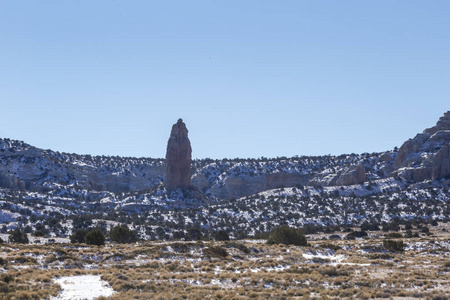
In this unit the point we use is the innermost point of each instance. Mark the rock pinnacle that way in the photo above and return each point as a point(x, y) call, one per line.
point(178, 157)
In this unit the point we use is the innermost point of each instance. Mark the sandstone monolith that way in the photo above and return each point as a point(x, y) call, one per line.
point(178, 158)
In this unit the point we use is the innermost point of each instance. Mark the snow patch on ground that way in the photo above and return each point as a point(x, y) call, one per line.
point(83, 287)
point(325, 256)
point(334, 259)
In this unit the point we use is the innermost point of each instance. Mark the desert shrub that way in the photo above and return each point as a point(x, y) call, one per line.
point(95, 237)
point(7, 278)
point(394, 246)
point(330, 246)
point(381, 256)
point(439, 297)
point(288, 236)
point(239, 246)
point(17, 236)
point(221, 235)
point(78, 236)
point(394, 235)
point(122, 234)
point(261, 235)
point(425, 229)
point(333, 272)
point(354, 234)
point(194, 234)
point(3, 288)
point(181, 247)
point(365, 226)
point(216, 251)
point(334, 237)
point(3, 261)
point(23, 295)
point(408, 234)
point(39, 233)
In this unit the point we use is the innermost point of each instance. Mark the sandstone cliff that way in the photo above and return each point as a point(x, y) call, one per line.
point(427, 155)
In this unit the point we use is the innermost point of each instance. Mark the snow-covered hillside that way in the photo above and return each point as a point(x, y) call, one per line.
point(55, 193)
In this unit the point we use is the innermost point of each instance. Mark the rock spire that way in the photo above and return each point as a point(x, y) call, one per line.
point(178, 157)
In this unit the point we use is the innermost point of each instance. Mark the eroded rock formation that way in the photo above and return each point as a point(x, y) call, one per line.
point(178, 158)
point(427, 155)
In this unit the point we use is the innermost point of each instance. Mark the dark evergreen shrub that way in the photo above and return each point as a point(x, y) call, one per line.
point(334, 237)
point(221, 235)
point(122, 234)
point(17, 236)
point(288, 236)
point(355, 234)
point(261, 235)
point(39, 233)
point(425, 229)
point(194, 234)
point(78, 236)
point(394, 246)
point(95, 237)
point(394, 235)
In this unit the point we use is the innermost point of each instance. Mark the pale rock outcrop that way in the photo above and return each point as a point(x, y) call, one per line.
point(277, 180)
point(355, 174)
point(236, 187)
point(352, 175)
point(178, 158)
point(386, 157)
point(200, 181)
point(427, 155)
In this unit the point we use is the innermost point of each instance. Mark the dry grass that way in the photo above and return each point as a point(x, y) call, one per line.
point(234, 270)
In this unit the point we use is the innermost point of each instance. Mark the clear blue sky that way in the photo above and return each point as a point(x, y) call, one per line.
point(249, 78)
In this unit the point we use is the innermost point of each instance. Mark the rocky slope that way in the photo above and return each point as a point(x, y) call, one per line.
point(28, 168)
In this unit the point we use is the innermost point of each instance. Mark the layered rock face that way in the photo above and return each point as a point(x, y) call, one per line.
point(427, 155)
point(178, 158)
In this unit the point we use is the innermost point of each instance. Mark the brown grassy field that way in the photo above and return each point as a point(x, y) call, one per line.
point(325, 269)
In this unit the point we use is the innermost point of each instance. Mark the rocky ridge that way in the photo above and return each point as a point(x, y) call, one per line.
point(24, 167)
